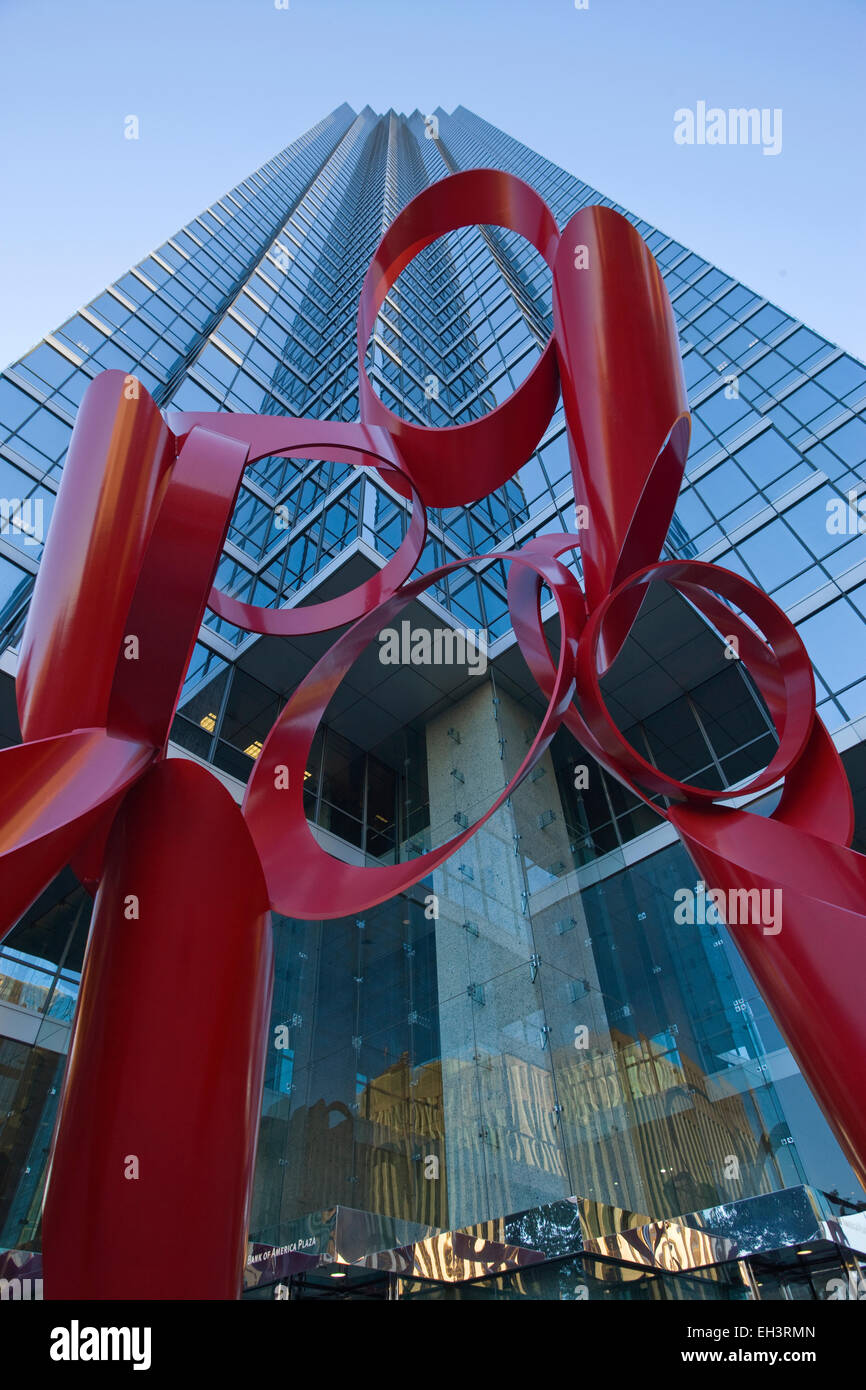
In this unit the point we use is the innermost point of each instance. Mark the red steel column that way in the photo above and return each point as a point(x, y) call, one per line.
point(152, 1160)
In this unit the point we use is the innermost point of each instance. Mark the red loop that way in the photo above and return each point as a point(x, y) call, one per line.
point(303, 879)
point(623, 395)
point(362, 446)
point(793, 707)
point(459, 464)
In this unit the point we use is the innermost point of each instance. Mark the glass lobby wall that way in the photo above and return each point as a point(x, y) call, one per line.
point(596, 1041)
point(40, 971)
point(526, 1028)
point(352, 1111)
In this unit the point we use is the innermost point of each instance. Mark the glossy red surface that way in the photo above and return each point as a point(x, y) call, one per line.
point(117, 466)
point(303, 879)
point(54, 793)
point(173, 582)
point(166, 1062)
point(811, 973)
point(624, 398)
point(497, 444)
point(133, 549)
point(358, 445)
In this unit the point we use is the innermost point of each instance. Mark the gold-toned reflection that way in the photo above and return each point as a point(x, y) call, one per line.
point(641, 1127)
point(385, 1154)
point(648, 1126)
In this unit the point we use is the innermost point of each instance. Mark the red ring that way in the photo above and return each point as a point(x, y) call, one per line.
point(303, 879)
point(341, 440)
point(458, 464)
point(794, 711)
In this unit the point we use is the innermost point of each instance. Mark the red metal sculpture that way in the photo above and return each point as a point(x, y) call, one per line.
point(155, 1139)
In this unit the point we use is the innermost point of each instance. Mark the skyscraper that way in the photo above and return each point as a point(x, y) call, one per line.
point(548, 1029)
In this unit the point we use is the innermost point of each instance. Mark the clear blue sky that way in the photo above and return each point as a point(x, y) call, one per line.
point(221, 85)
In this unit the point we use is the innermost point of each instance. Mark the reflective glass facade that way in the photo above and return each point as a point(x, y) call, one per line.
point(530, 1023)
